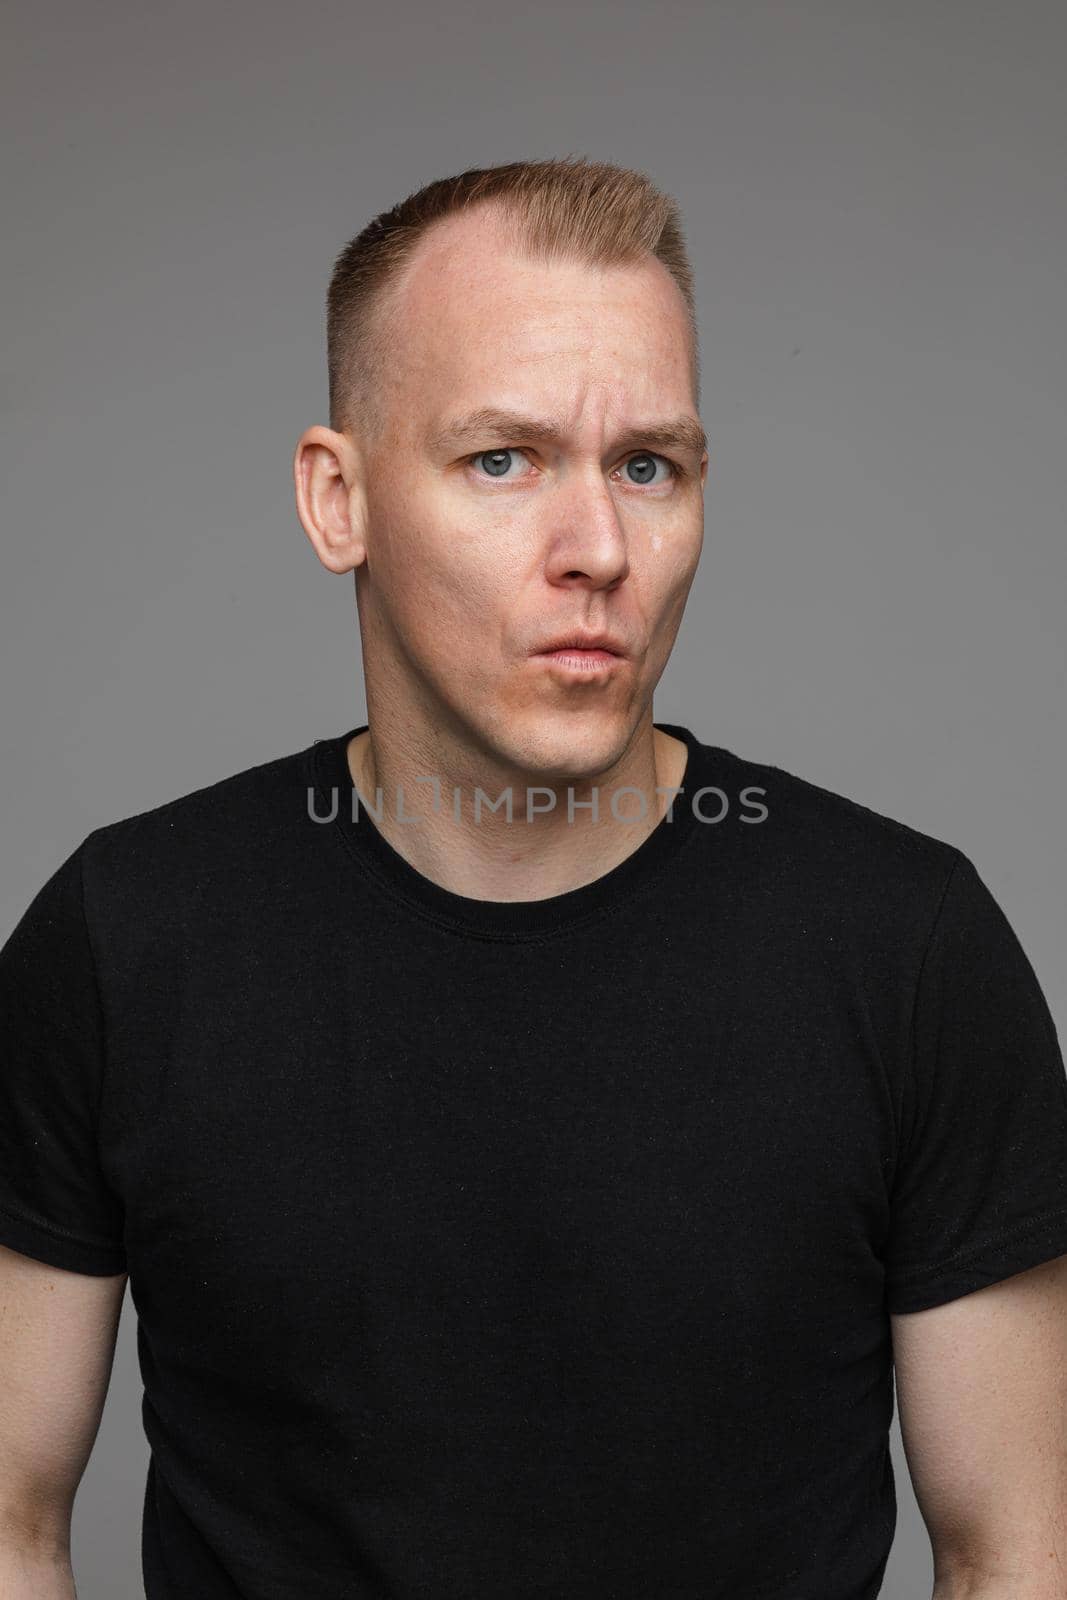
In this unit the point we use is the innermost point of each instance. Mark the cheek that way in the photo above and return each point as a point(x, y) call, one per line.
point(429, 566)
point(479, 561)
point(662, 583)
point(669, 557)
point(449, 587)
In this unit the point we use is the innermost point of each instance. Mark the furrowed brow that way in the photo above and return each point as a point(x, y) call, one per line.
point(683, 434)
point(468, 429)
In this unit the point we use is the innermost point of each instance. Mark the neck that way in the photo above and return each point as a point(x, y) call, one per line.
point(441, 830)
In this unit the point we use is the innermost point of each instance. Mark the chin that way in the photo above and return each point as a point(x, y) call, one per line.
point(567, 745)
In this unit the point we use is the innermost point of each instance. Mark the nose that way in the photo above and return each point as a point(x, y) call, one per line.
point(587, 542)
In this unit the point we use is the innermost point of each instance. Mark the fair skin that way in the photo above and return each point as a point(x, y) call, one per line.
point(460, 574)
point(57, 1345)
point(459, 578)
point(456, 577)
point(982, 1393)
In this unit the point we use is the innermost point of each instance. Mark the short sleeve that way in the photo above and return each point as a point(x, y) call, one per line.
point(55, 1203)
point(980, 1188)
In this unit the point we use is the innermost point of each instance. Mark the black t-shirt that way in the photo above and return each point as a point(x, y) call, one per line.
point(526, 1249)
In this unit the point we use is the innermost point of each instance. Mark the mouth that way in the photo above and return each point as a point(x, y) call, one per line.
point(582, 655)
point(583, 644)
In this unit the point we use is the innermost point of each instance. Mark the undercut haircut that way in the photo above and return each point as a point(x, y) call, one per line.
point(566, 208)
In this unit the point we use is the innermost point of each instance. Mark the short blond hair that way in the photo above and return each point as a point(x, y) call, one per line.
point(565, 208)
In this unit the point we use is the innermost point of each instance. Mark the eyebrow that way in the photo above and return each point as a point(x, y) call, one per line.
point(683, 434)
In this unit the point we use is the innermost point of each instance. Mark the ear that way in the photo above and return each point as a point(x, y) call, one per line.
point(330, 502)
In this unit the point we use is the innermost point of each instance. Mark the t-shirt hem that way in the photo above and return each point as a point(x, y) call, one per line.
point(57, 1248)
point(1038, 1239)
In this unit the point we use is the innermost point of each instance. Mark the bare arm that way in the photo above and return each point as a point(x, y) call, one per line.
point(57, 1346)
point(982, 1391)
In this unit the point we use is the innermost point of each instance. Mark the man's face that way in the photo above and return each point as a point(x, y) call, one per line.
point(485, 545)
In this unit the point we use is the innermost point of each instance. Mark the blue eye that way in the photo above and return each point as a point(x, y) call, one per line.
point(497, 461)
point(638, 467)
point(641, 461)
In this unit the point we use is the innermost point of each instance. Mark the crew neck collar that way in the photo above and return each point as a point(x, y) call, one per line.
point(501, 919)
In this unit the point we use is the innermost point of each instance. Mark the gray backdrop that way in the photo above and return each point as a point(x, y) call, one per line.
point(874, 199)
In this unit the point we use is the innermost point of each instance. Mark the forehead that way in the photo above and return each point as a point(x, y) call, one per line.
point(474, 320)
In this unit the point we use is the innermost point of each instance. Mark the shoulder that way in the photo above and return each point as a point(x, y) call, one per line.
point(213, 837)
point(830, 848)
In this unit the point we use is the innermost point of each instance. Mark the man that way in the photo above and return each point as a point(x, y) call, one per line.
point(531, 1132)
